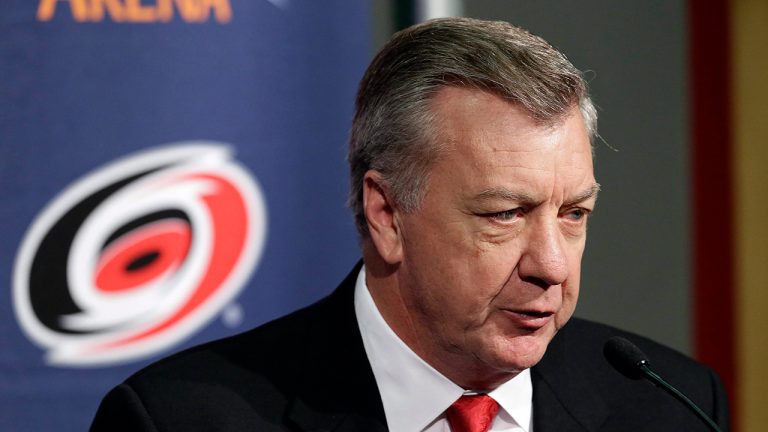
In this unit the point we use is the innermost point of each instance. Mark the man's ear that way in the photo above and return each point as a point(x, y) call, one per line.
point(382, 217)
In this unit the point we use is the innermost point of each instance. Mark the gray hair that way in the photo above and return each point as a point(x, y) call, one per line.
point(393, 129)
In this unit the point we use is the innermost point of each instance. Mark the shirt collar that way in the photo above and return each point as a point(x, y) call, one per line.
point(516, 399)
point(413, 393)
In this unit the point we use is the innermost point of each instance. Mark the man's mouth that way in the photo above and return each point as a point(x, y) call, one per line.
point(529, 319)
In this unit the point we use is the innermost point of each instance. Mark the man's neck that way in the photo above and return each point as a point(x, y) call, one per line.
point(384, 285)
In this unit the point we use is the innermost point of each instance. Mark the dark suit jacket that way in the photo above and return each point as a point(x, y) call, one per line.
point(308, 372)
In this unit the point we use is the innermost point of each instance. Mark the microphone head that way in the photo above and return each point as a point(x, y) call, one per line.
point(625, 357)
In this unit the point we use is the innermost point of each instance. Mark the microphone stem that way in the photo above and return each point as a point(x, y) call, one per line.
point(656, 379)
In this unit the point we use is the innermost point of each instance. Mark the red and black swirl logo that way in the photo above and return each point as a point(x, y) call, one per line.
point(139, 254)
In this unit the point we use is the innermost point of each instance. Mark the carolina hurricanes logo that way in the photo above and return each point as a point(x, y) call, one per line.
point(139, 255)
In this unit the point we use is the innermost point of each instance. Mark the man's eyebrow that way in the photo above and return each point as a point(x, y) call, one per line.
point(506, 195)
point(525, 199)
point(583, 196)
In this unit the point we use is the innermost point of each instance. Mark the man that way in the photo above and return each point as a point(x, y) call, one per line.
point(471, 185)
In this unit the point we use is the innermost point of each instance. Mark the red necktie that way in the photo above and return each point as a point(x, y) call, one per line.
point(472, 413)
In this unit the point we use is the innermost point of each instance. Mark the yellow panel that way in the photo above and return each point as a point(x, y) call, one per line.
point(750, 117)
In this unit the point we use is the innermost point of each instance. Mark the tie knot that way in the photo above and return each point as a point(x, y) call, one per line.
point(473, 413)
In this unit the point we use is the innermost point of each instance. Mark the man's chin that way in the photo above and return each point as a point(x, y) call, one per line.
point(524, 352)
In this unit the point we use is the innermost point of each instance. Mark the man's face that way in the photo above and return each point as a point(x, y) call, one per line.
point(491, 260)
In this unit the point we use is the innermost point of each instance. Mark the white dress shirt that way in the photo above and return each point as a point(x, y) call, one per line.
point(414, 394)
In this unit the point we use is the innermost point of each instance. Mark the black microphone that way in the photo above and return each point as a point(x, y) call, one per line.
point(632, 363)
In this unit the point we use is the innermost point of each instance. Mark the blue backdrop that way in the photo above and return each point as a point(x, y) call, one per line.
point(85, 83)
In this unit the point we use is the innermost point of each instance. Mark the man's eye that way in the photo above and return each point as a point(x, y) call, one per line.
point(576, 214)
point(507, 215)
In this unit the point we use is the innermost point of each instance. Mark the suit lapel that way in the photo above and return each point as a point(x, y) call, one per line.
point(338, 389)
point(563, 398)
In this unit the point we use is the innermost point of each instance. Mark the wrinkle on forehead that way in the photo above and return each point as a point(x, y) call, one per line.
point(492, 143)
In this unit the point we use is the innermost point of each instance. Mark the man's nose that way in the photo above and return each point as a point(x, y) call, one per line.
point(543, 261)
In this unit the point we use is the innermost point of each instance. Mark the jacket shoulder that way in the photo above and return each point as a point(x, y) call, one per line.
point(278, 374)
point(577, 350)
point(246, 379)
point(588, 338)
